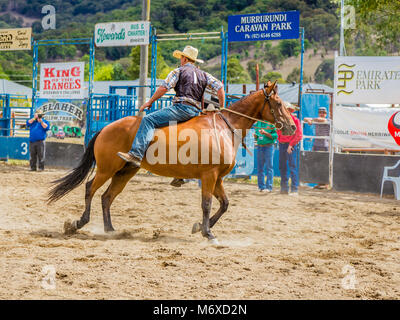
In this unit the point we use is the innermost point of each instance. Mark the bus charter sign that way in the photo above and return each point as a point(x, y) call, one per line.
point(62, 80)
point(264, 26)
point(116, 34)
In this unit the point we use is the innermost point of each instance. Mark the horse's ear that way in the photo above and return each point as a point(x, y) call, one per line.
point(275, 87)
point(269, 86)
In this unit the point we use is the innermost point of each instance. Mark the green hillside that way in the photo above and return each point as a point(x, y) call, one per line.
point(77, 19)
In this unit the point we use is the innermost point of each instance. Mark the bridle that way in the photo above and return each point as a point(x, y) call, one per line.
point(278, 124)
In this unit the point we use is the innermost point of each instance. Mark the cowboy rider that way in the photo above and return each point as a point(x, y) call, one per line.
point(189, 83)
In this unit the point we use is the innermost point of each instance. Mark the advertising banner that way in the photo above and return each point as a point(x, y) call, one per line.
point(369, 80)
point(15, 39)
point(366, 127)
point(67, 118)
point(116, 34)
point(62, 80)
point(264, 26)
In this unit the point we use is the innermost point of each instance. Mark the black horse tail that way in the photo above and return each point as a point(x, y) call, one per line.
point(76, 176)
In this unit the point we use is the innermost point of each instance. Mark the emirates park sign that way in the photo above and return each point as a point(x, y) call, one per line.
point(62, 80)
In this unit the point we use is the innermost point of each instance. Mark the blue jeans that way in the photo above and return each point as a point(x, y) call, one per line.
point(265, 164)
point(284, 159)
point(157, 119)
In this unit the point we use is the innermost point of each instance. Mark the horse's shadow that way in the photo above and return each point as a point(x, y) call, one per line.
point(116, 235)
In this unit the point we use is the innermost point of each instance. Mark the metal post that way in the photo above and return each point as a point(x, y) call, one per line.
point(301, 67)
point(342, 28)
point(91, 67)
point(226, 65)
point(153, 61)
point(34, 75)
point(300, 93)
point(331, 132)
point(222, 54)
point(144, 52)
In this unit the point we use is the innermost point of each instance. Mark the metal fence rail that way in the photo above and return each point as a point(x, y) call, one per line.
point(14, 111)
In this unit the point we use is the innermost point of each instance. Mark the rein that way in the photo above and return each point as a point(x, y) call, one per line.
point(267, 96)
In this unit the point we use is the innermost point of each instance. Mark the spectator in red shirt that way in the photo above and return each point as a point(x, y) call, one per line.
point(288, 153)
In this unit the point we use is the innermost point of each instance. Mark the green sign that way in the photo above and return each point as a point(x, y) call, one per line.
point(116, 34)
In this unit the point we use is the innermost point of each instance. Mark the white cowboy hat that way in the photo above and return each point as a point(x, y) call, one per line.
point(291, 106)
point(189, 52)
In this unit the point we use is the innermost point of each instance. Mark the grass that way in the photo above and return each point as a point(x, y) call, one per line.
point(15, 162)
point(253, 180)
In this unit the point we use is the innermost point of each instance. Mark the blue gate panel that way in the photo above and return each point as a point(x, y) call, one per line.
point(14, 148)
point(309, 109)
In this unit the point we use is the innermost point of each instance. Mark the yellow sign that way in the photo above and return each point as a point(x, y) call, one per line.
point(15, 39)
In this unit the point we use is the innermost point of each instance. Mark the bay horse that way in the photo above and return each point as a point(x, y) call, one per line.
point(264, 104)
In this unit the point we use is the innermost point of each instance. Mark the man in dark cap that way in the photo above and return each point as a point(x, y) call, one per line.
point(38, 127)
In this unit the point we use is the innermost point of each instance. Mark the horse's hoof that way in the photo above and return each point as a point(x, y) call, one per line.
point(213, 241)
point(70, 227)
point(196, 227)
point(109, 230)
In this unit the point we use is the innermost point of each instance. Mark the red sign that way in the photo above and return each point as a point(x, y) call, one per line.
point(394, 127)
point(62, 80)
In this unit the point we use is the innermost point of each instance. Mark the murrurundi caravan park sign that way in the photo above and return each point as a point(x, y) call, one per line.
point(115, 34)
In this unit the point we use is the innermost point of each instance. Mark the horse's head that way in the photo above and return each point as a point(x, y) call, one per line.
point(274, 110)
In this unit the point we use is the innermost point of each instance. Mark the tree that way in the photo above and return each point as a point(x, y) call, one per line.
point(236, 73)
point(290, 48)
point(324, 71)
point(275, 57)
point(294, 76)
point(119, 72)
point(134, 69)
point(383, 15)
point(3, 75)
point(272, 76)
point(104, 73)
point(251, 69)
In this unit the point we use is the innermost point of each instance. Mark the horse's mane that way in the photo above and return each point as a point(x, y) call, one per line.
point(240, 101)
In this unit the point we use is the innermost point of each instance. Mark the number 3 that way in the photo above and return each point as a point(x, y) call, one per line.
point(24, 146)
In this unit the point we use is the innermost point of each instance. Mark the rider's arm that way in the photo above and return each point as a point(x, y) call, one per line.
point(221, 97)
point(158, 94)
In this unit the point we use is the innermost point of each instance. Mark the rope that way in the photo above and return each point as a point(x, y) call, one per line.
point(246, 116)
point(216, 133)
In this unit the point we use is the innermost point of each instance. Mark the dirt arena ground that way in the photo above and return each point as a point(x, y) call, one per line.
point(319, 245)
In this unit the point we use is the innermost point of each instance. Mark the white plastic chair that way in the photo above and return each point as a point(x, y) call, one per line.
point(394, 180)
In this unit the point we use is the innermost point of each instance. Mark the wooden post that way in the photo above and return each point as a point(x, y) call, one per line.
point(257, 78)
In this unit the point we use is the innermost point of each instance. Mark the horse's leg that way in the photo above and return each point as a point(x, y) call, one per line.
point(91, 188)
point(219, 193)
point(118, 183)
point(207, 189)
